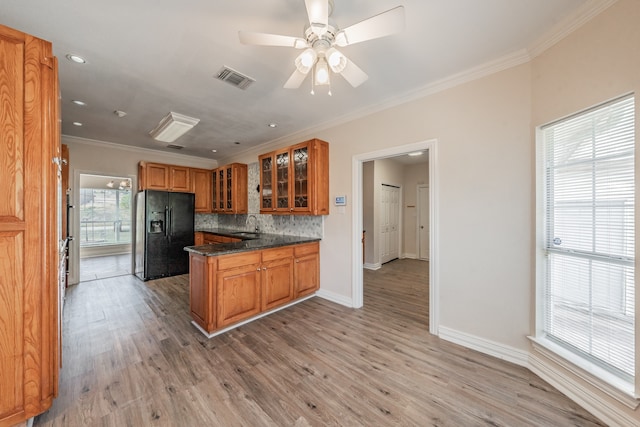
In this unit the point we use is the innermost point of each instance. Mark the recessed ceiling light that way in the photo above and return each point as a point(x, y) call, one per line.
point(77, 124)
point(76, 58)
point(214, 151)
point(415, 153)
point(237, 142)
point(272, 125)
point(81, 103)
point(119, 113)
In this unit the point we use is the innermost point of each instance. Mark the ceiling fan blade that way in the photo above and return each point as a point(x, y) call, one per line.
point(318, 12)
point(384, 24)
point(264, 39)
point(353, 74)
point(295, 80)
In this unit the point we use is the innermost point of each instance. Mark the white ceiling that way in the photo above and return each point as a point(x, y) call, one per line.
point(150, 57)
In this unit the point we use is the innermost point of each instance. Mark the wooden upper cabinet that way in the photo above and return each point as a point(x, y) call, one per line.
point(229, 189)
point(153, 176)
point(179, 179)
point(158, 176)
point(201, 186)
point(295, 180)
point(29, 310)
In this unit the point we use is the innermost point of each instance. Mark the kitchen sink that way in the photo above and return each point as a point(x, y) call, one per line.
point(247, 234)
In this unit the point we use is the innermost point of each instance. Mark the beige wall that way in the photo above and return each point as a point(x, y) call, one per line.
point(484, 208)
point(368, 211)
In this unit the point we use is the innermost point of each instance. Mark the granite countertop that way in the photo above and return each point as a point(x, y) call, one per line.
point(250, 242)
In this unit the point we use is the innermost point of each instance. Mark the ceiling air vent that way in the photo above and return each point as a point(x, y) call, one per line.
point(234, 78)
point(175, 147)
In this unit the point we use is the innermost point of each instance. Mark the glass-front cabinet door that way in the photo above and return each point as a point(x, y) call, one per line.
point(221, 188)
point(214, 190)
point(266, 181)
point(229, 185)
point(300, 159)
point(282, 181)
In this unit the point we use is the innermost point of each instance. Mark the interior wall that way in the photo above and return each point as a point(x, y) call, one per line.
point(86, 156)
point(598, 62)
point(414, 175)
point(484, 208)
point(368, 211)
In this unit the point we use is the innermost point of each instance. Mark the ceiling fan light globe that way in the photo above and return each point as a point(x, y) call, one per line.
point(305, 60)
point(337, 60)
point(322, 73)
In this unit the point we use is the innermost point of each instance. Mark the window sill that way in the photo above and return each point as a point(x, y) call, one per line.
point(616, 388)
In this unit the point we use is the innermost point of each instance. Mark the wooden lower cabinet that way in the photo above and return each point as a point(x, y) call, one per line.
point(307, 269)
point(228, 289)
point(277, 277)
point(200, 297)
point(198, 238)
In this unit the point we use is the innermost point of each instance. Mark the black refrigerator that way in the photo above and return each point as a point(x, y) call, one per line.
point(164, 226)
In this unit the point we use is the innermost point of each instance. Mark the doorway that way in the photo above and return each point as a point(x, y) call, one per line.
point(105, 226)
point(429, 148)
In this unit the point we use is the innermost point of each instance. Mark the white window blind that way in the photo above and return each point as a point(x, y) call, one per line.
point(589, 235)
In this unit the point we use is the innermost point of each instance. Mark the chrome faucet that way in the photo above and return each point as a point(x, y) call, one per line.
point(257, 227)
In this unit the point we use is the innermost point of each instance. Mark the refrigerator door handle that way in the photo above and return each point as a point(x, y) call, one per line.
point(167, 222)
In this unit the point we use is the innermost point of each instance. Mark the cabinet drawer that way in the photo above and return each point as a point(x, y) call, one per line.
point(306, 249)
point(238, 260)
point(277, 253)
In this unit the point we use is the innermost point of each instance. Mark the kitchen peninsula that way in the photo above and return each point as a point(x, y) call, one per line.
point(248, 277)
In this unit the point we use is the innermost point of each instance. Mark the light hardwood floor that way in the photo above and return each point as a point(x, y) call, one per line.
point(131, 358)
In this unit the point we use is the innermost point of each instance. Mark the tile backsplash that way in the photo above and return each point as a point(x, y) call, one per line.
point(293, 225)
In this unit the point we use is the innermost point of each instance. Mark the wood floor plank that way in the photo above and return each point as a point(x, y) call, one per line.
point(132, 358)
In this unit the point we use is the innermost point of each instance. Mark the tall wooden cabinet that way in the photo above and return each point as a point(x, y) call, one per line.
point(295, 180)
point(201, 187)
point(29, 141)
point(229, 189)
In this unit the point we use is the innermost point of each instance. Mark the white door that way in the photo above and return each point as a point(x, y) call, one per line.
point(389, 223)
point(423, 222)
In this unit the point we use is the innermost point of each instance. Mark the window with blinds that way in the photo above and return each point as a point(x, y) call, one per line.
point(590, 234)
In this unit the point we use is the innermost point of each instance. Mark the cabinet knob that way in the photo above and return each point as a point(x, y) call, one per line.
point(297, 260)
point(264, 268)
point(258, 269)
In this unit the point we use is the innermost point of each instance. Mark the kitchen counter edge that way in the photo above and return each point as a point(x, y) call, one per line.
point(265, 241)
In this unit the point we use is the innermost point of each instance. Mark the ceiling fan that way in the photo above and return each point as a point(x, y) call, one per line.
point(320, 40)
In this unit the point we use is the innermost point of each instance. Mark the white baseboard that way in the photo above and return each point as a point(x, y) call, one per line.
point(244, 322)
point(492, 348)
point(410, 256)
point(368, 266)
point(337, 298)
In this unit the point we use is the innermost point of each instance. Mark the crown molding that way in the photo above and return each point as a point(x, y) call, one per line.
point(130, 148)
point(566, 26)
point(483, 70)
